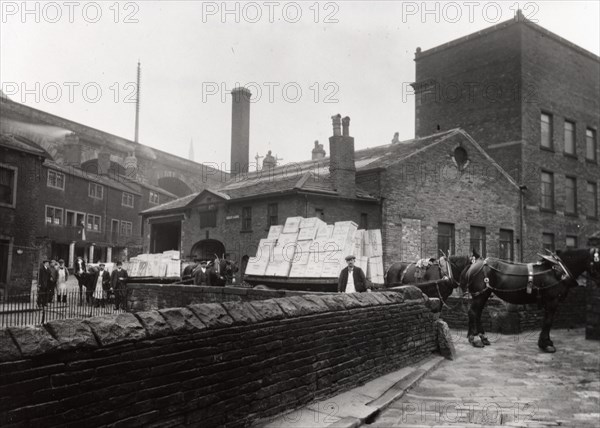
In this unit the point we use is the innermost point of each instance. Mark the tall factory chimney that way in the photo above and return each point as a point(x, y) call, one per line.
point(240, 130)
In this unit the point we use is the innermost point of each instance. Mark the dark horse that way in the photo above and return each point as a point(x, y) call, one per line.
point(546, 282)
point(438, 279)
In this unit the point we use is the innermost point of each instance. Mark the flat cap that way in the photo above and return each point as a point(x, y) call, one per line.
point(350, 257)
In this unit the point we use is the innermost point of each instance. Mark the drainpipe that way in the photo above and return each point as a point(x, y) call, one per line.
point(306, 206)
point(522, 190)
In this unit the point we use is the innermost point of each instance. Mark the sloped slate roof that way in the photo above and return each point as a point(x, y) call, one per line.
point(100, 179)
point(313, 176)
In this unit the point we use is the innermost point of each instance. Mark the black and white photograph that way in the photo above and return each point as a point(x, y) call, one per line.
point(299, 214)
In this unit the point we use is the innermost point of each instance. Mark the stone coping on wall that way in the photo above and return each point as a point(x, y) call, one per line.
point(73, 335)
point(232, 290)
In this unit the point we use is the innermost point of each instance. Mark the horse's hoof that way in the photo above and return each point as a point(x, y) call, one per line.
point(485, 340)
point(476, 342)
point(549, 349)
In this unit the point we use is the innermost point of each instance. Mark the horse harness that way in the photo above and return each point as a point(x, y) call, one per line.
point(557, 265)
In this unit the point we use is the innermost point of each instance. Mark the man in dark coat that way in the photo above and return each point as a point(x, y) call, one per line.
point(118, 282)
point(44, 275)
point(53, 280)
point(201, 274)
point(352, 278)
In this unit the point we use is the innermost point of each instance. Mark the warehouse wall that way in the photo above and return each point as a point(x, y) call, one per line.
point(209, 364)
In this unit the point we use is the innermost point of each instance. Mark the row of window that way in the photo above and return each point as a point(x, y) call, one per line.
point(60, 217)
point(570, 137)
point(548, 241)
point(56, 180)
point(121, 227)
point(447, 242)
point(590, 201)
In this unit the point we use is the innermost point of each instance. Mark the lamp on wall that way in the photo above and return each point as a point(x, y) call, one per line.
point(19, 251)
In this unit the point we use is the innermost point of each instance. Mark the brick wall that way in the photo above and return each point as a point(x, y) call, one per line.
point(522, 67)
point(18, 225)
point(210, 364)
point(545, 63)
point(502, 317)
point(239, 243)
point(145, 297)
point(592, 327)
point(428, 187)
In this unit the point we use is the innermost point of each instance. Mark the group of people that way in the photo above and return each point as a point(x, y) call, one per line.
point(100, 286)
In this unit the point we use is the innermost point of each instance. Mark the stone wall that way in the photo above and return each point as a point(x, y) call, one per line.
point(208, 364)
point(502, 317)
point(145, 297)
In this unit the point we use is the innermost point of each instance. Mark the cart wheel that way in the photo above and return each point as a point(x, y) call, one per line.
point(261, 287)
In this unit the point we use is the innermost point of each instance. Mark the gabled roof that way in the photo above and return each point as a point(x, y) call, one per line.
point(100, 179)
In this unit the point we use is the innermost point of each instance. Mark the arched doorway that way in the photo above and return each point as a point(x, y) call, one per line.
point(207, 248)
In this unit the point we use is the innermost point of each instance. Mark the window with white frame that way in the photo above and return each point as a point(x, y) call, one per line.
point(54, 215)
point(96, 191)
point(94, 222)
point(126, 228)
point(154, 198)
point(56, 180)
point(127, 200)
point(8, 185)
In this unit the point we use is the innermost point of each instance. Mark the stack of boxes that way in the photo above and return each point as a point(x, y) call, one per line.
point(166, 264)
point(310, 248)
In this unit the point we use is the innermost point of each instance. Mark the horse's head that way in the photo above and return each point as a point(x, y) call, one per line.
point(229, 268)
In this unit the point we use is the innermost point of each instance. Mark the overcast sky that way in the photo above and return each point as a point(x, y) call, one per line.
point(356, 60)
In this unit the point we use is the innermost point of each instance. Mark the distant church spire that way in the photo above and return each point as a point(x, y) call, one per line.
point(137, 103)
point(191, 152)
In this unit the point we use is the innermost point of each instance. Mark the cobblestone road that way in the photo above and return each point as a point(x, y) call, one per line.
point(510, 383)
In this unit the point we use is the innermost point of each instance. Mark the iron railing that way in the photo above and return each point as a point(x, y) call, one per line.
point(36, 309)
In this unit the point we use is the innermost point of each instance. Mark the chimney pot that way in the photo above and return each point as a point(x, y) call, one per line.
point(346, 126)
point(337, 125)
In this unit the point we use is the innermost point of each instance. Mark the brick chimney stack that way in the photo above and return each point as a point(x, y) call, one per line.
point(103, 163)
point(72, 149)
point(318, 152)
point(341, 158)
point(240, 130)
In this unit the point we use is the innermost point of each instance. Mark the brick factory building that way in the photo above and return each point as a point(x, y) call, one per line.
point(440, 192)
point(532, 100)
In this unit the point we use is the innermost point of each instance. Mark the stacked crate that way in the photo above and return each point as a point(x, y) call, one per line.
point(310, 248)
point(166, 264)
